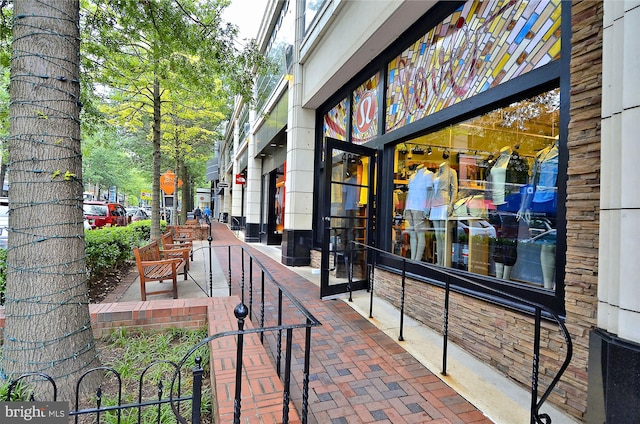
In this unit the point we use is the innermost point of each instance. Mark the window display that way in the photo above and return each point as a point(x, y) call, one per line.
point(481, 195)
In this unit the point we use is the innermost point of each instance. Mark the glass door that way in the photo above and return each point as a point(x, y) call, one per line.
point(349, 216)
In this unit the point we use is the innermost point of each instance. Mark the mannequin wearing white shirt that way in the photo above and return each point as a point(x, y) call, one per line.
point(416, 208)
point(498, 176)
point(445, 192)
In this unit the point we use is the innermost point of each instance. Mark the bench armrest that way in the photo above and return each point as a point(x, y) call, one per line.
point(177, 246)
point(174, 253)
point(145, 264)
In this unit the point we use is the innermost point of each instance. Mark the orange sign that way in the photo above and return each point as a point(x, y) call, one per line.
point(167, 181)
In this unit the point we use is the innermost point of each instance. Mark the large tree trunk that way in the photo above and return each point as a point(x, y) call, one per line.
point(186, 206)
point(48, 327)
point(157, 138)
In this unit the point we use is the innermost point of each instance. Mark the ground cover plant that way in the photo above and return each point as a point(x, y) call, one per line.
point(129, 354)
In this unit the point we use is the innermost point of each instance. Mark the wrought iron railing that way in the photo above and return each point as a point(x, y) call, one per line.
point(536, 417)
point(273, 328)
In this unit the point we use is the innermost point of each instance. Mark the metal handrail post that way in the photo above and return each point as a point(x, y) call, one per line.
point(305, 373)
point(535, 364)
point(196, 391)
point(279, 338)
point(241, 313)
point(229, 269)
point(242, 277)
point(286, 397)
point(210, 239)
point(445, 325)
point(349, 264)
point(250, 286)
point(370, 273)
point(262, 307)
point(402, 292)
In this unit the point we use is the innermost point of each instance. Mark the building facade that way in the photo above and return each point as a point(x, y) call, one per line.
point(488, 144)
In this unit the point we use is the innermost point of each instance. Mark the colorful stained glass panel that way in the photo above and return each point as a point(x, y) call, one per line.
point(335, 122)
point(479, 46)
point(365, 111)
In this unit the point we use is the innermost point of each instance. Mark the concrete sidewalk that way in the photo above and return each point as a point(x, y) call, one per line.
point(360, 371)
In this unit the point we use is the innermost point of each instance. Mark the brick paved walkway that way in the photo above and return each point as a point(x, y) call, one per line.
point(359, 374)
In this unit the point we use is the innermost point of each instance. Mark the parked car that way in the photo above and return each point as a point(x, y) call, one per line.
point(139, 215)
point(101, 214)
point(131, 210)
point(476, 227)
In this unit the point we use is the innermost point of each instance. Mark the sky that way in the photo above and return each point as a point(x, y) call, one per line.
point(247, 15)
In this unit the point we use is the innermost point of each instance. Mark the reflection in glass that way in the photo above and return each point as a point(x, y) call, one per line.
point(349, 198)
point(481, 195)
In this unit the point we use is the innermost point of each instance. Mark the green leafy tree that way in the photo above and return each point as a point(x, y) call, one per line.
point(107, 162)
point(47, 327)
point(189, 131)
point(141, 51)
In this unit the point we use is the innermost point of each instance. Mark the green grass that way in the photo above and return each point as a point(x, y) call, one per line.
point(129, 354)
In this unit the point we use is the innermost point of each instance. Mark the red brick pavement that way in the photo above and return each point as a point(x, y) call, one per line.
point(358, 374)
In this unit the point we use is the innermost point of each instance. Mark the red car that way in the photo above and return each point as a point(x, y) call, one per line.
point(101, 214)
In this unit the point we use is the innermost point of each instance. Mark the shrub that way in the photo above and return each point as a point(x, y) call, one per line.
point(106, 249)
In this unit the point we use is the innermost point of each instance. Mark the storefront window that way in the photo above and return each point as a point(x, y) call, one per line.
point(278, 203)
point(481, 195)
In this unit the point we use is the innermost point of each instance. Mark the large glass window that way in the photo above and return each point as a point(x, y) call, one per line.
point(481, 195)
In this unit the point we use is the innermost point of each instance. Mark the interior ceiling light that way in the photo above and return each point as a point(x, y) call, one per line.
point(429, 151)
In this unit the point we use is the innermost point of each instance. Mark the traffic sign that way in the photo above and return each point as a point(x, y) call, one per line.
point(167, 181)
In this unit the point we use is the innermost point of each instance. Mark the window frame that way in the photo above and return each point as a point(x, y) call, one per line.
point(550, 76)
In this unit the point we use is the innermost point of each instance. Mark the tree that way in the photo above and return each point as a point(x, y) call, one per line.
point(107, 162)
point(48, 327)
point(143, 50)
point(189, 131)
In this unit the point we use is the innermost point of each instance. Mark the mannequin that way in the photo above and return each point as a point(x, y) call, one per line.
point(420, 186)
point(506, 176)
point(445, 192)
point(498, 176)
point(548, 264)
point(540, 198)
point(505, 249)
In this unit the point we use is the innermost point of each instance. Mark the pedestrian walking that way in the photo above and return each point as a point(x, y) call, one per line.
point(197, 214)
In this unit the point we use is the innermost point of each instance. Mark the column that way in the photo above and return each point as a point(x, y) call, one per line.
point(297, 237)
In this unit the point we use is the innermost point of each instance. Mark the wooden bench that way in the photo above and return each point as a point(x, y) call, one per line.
point(168, 243)
point(183, 233)
point(152, 266)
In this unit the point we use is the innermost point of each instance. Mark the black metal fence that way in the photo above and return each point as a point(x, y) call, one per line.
point(537, 312)
point(277, 317)
point(105, 406)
